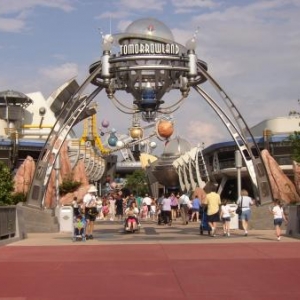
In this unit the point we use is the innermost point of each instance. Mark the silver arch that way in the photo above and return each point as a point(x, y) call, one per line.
point(147, 77)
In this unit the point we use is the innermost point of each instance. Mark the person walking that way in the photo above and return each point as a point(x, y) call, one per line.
point(184, 201)
point(147, 200)
point(153, 210)
point(166, 210)
point(279, 217)
point(196, 203)
point(225, 213)
point(245, 202)
point(90, 210)
point(119, 207)
point(174, 206)
point(112, 207)
point(213, 202)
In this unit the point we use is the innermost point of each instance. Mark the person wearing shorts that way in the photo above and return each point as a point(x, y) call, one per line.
point(90, 211)
point(213, 202)
point(245, 202)
point(279, 217)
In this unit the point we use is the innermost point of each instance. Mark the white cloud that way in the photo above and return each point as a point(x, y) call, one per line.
point(15, 6)
point(60, 73)
point(138, 5)
point(189, 6)
point(14, 14)
point(11, 25)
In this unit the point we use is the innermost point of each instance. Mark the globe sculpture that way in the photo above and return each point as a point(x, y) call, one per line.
point(164, 129)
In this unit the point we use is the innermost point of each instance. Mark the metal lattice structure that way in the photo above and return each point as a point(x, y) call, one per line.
point(147, 65)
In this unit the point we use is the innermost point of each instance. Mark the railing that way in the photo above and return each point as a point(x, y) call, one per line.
point(7, 222)
point(230, 163)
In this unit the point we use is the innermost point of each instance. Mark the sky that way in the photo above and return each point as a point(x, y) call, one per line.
point(252, 49)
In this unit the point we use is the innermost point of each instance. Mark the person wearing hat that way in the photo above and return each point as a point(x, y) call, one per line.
point(90, 210)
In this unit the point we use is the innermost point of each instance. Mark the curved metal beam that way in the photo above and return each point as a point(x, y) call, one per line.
point(255, 165)
point(65, 121)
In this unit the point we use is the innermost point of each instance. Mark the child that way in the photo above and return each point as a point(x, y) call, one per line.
point(144, 211)
point(279, 217)
point(79, 227)
point(225, 216)
point(153, 210)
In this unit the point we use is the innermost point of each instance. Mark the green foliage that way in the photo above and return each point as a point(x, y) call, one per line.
point(6, 185)
point(18, 197)
point(137, 181)
point(68, 185)
point(295, 143)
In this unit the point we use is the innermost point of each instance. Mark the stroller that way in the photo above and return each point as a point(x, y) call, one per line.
point(79, 228)
point(204, 223)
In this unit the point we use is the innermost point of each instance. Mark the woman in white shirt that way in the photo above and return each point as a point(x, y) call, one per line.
point(279, 217)
point(244, 201)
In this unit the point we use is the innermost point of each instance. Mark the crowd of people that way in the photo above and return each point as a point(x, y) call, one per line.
point(169, 207)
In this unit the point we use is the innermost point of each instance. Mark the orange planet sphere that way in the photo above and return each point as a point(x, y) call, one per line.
point(165, 128)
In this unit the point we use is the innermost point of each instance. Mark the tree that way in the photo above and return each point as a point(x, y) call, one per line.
point(6, 185)
point(295, 144)
point(137, 181)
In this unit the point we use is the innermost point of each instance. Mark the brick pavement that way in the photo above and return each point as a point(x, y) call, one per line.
point(160, 262)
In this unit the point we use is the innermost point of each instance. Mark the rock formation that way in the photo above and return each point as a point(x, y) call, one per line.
point(24, 176)
point(200, 193)
point(282, 187)
point(25, 173)
point(296, 169)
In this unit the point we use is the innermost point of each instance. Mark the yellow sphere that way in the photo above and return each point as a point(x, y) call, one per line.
point(136, 132)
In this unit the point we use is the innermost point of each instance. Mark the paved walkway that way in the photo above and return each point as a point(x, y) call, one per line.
point(160, 262)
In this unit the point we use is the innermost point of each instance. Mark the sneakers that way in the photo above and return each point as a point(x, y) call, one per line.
point(246, 233)
point(278, 238)
point(91, 237)
point(228, 234)
point(127, 228)
point(213, 231)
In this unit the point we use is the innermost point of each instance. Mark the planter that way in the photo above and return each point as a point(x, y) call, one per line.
point(293, 215)
point(7, 221)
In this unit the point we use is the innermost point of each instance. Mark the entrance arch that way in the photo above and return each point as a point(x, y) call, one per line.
point(148, 65)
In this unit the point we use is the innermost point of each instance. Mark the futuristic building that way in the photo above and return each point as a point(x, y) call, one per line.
point(218, 160)
point(27, 120)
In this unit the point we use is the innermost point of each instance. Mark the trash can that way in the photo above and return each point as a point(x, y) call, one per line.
point(66, 216)
point(234, 221)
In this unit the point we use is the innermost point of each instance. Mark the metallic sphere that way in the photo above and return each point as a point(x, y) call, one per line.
point(150, 28)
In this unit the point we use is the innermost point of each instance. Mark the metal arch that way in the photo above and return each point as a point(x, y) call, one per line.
point(193, 182)
point(255, 165)
point(178, 167)
point(65, 121)
point(74, 152)
point(193, 167)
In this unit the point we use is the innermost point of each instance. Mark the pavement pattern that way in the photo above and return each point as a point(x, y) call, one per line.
point(160, 262)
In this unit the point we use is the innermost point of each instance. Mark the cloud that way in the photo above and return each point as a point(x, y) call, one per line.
point(60, 73)
point(198, 132)
point(12, 25)
point(14, 14)
point(16, 6)
point(189, 6)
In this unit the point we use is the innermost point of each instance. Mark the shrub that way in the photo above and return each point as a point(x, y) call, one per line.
point(68, 185)
point(6, 185)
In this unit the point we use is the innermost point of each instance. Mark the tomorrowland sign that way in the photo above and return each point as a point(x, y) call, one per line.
point(149, 48)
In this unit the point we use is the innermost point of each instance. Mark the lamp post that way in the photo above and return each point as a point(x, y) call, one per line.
point(238, 165)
